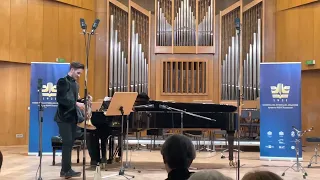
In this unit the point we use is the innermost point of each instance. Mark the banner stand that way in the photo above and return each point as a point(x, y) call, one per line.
point(280, 109)
point(50, 73)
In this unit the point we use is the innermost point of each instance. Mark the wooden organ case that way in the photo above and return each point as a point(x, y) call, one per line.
point(184, 48)
point(128, 47)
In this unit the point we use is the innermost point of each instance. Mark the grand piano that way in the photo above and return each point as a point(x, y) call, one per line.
point(167, 115)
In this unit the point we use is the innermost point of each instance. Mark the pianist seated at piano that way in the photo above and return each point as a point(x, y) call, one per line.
point(97, 154)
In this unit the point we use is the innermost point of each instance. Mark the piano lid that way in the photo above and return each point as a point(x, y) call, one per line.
point(189, 107)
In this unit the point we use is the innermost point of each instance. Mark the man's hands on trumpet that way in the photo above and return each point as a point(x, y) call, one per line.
point(80, 105)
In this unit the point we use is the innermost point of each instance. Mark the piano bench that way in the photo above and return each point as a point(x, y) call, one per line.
point(196, 135)
point(56, 143)
point(314, 158)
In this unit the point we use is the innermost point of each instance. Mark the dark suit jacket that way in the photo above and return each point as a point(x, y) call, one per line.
point(67, 96)
point(179, 174)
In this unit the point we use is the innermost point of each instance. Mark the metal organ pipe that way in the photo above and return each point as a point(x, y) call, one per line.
point(117, 54)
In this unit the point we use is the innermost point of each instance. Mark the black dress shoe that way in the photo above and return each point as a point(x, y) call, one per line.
point(71, 173)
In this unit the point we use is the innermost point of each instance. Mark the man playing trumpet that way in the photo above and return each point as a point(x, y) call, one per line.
point(67, 115)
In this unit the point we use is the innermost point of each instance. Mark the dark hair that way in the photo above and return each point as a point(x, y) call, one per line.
point(178, 152)
point(143, 96)
point(1, 159)
point(76, 65)
point(261, 175)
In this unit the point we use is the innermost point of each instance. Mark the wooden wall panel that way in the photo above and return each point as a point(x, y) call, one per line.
point(316, 33)
point(88, 4)
point(18, 35)
point(101, 51)
point(291, 35)
point(65, 31)
point(269, 31)
point(5, 29)
point(15, 100)
point(297, 39)
point(310, 102)
point(50, 31)
point(287, 4)
point(35, 30)
point(297, 36)
point(306, 33)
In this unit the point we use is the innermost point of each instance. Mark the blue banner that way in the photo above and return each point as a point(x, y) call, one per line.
point(50, 74)
point(280, 109)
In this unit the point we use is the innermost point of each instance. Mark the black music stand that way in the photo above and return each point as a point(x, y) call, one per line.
point(121, 105)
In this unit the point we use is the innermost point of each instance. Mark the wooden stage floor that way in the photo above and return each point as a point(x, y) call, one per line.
point(18, 166)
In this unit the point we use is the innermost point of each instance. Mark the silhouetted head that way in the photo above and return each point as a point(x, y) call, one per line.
point(178, 152)
point(261, 175)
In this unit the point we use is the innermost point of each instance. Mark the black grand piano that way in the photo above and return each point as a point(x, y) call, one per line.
point(157, 115)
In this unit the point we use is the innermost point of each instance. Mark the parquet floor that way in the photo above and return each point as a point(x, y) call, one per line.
point(18, 166)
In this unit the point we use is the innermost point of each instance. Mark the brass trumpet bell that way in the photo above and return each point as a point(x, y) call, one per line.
point(90, 126)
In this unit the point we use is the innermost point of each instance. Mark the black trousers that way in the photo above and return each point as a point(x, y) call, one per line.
point(67, 132)
point(94, 146)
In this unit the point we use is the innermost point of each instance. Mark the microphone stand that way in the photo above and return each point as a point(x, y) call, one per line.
point(240, 97)
point(87, 45)
point(297, 141)
point(41, 108)
point(184, 112)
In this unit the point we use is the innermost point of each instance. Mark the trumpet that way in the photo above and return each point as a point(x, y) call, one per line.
point(87, 119)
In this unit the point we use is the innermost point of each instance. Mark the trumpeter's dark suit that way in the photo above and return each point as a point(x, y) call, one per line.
point(67, 117)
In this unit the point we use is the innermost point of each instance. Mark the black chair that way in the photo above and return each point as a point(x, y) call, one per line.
point(56, 142)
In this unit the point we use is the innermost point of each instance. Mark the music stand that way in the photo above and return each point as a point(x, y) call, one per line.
point(121, 104)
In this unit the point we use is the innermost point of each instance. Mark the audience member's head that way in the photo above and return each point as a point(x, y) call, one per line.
point(1, 160)
point(209, 175)
point(261, 175)
point(178, 152)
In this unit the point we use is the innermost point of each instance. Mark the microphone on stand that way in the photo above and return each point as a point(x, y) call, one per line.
point(238, 24)
point(95, 25)
point(39, 84)
point(83, 25)
point(294, 128)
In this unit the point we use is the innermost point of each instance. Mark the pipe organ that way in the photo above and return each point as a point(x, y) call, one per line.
point(184, 26)
point(252, 50)
point(128, 47)
point(117, 48)
point(164, 23)
point(205, 25)
point(230, 54)
point(179, 76)
point(139, 47)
